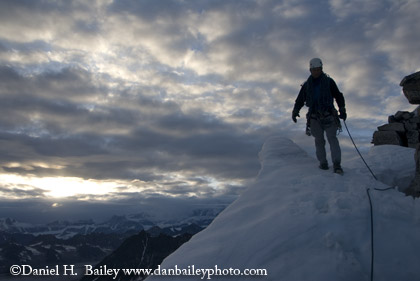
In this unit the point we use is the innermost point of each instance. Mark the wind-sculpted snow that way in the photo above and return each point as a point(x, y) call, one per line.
point(302, 223)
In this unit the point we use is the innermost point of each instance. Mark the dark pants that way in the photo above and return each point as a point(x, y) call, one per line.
point(329, 126)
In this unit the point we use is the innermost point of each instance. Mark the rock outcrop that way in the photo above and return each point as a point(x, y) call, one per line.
point(403, 128)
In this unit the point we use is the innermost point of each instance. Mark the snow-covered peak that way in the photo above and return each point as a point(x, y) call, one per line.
point(11, 225)
point(301, 223)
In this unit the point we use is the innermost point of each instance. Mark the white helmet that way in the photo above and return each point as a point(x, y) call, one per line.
point(315, 62)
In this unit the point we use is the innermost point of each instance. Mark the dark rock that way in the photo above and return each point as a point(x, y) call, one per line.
point(412, 138)
point(411, 87)
point(387, 137)
point(410, 126)
point(397, 127)
point(415, 119)
point(414, 188)
point(403, 115)
point(391, 119)
point(140, 251)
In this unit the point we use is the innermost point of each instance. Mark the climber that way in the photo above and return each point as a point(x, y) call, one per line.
point(318, 93)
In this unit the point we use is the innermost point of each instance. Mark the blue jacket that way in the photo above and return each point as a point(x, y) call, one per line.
point(319, 94)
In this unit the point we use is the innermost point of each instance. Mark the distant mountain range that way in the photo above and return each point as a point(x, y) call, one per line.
point(132, 223)
point(65, 242)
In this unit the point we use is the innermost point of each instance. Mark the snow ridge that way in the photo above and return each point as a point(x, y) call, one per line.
point(302, 223)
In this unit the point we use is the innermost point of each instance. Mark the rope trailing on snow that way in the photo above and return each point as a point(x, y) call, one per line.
point(372, 247)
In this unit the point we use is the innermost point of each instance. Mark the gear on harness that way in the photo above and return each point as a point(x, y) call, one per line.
point(321, 117)
point(308, 124)
point(338, 122)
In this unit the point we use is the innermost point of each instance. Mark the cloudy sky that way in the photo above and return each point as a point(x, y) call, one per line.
point(122, 103)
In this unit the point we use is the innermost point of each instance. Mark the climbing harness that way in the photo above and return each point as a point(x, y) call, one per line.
point(324, 119)
point(372, 248)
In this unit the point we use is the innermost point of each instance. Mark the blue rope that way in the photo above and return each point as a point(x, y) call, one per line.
point(372, 247)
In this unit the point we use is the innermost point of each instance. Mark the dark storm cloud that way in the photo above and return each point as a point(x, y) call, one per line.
point(49, 116)
point(227, 155)
point(20, 192)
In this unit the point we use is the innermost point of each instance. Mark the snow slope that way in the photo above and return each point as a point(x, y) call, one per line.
point(302, 223)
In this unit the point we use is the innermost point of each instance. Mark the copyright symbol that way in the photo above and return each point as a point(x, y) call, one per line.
point(15, 270)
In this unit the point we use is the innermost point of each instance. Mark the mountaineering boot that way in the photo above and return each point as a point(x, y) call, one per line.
point(338, 169)
point(323, 166)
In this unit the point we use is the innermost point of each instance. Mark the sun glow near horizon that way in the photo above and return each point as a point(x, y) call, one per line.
point(56, 187)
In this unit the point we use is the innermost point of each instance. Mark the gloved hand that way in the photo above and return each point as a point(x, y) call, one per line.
point(294, 115)
point(343, 114)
